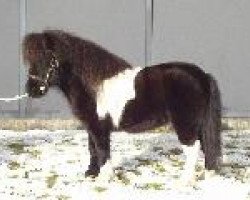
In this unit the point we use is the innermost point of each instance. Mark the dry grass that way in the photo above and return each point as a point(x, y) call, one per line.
point(236, 123)
point(42, 124)
point(73, 124)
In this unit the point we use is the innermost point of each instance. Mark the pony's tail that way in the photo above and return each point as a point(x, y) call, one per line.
point(211, 129)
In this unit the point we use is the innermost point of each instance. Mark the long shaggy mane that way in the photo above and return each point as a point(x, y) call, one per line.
point(85, 58)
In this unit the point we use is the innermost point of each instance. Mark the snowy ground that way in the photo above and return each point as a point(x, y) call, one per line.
point(50, 165)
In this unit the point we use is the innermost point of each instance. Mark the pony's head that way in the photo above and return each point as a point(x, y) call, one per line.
point(44, 55)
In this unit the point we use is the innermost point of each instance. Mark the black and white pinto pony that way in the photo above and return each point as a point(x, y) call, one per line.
point(107, 94)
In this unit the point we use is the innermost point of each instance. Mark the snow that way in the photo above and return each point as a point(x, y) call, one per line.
point(40, 164)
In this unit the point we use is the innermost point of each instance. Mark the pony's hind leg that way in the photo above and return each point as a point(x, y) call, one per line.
point(191, 153)
point(187, 131)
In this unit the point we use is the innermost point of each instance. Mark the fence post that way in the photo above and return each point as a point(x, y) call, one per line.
point(21, 74)
point(149, 28)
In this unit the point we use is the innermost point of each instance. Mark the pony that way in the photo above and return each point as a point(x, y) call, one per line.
point(107, 94)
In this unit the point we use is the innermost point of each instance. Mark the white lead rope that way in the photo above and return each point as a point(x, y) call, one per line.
point(15, 98)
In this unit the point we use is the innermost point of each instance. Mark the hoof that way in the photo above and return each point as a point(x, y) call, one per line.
point(91, 173)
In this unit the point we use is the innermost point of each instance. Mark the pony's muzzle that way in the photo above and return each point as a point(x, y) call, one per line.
point(36, 88)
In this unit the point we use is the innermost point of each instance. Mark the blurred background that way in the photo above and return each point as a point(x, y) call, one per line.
point(213, 34)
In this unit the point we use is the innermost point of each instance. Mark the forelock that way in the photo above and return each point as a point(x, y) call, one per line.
point(33, 47)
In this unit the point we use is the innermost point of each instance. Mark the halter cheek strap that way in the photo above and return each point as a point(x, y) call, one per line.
point(54, 64)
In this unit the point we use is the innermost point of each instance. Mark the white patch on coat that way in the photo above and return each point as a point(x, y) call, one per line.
point(192, 154)
point(114, 93)
point(106, 173)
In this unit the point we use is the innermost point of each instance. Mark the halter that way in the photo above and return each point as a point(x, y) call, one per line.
point(53, 66)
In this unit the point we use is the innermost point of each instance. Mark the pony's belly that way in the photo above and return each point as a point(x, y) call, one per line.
point(139, 117)
point(144, 125)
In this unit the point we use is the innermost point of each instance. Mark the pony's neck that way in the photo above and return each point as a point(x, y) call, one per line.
point(65, 79)
point(88, 65)
point(95, 64)
point(71, 82)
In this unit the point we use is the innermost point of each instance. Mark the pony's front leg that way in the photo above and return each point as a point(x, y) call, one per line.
point(99, 146)
point(93, 168)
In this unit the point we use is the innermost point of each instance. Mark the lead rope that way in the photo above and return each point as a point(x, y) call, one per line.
point(54, 65)
point(15, 98)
